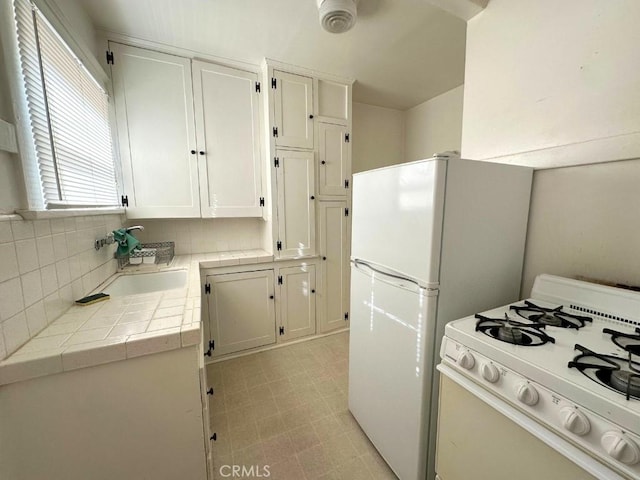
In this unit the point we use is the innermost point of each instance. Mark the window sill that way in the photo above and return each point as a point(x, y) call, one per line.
point(69, 212)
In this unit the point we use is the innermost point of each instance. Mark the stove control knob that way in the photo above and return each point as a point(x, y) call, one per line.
point(527, 394)
point(620, 447)
point(575, 421)
point(490, 372)
point(466, 360)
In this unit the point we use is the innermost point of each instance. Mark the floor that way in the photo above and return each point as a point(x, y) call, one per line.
point(285, 410)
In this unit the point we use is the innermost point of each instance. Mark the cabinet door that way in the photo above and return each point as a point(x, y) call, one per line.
point(293, 110)
point(156, 132)
point(297, 301)
point(228, 133)
point(241, 311)
point(334, 159)
point(296, 204)
point(334, 268)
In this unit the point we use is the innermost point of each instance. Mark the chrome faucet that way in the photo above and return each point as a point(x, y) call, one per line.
point(135, 227)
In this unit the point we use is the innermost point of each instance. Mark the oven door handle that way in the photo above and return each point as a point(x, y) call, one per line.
point(556, 442)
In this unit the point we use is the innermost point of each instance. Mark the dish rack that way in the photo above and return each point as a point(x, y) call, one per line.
point(162, 251)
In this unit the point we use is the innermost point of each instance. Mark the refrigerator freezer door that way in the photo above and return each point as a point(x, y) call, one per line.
point(390, 367)
point(397, 218)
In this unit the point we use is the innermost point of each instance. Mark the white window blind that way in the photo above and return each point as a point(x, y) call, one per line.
point(69, 114)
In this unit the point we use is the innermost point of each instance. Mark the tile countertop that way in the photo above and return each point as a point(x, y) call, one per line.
point(123, 327)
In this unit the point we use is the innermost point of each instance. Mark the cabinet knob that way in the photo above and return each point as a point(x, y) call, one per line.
point(323, 162)
point(311, 116)
point(271, 297)
point(324, 258)
point(210, 391)
point(313, 291)
point(214, 437)
point(201, 152)
point(193, 152)
point(313, 197)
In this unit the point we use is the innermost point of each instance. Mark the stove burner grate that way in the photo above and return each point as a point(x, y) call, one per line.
point(514, 332)
point(616, 373)
point(629, 342)
point(554, 317)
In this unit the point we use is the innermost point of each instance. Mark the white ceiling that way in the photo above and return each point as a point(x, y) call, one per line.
point(401, 52)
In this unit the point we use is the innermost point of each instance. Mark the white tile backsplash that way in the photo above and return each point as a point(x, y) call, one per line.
point(44, 266)
point(8, 260)
point(45, 251)
point(11, 302)
point(203, 235)
point(22, 229)
point(31, 287)
point(27, 255)
point(5, 232)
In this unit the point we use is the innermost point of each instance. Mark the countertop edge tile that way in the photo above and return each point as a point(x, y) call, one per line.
point(91, 354)
point(153, 342)
point(17, 370)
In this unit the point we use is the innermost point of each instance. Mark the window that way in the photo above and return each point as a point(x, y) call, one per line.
point(69, 117)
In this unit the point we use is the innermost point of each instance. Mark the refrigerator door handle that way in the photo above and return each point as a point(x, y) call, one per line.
point(357, 263)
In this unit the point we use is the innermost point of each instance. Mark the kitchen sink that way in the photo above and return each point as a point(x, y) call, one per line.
point(135, 284)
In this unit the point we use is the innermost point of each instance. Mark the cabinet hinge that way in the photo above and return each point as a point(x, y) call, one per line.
point(207, 288)
point(275, 131)
point(273, 82)
point(346, 138)
point(262, 201)
point(346, 211)
point(276, 162)
point(346, 315)
point(281, 330)
point(279, 279)
point(212, 346)
point(124, 200)
point(346, 183)
point(258, 87)
point(109, 57)
point(279, 245)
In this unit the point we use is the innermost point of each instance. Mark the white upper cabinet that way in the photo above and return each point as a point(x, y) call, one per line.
point(295, 181)
point(228, 133)
point(334, 101)
point(333, 294)
point(297, 301)
point(156, 132)
point(293, 110)
point(334, 159)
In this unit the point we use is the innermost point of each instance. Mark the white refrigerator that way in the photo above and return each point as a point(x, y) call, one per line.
point(432, 241)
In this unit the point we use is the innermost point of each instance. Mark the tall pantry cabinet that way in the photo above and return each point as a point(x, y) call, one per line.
point(310, 146)
point(189, 135)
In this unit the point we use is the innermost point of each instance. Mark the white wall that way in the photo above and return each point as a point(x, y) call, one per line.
point(584, 221)
point(378, 137)
point(434, 126)
point(558, 79)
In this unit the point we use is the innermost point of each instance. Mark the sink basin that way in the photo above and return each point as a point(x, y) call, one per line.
point(135, 284)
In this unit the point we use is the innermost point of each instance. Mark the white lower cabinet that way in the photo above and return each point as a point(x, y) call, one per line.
point(241, 311)
point(131, 419)
point(333, 294)
point(296, 301)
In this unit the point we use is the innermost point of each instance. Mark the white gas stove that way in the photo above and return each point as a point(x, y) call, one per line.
point(595, 403)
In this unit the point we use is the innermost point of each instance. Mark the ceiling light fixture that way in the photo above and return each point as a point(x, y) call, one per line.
point(337, 16)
